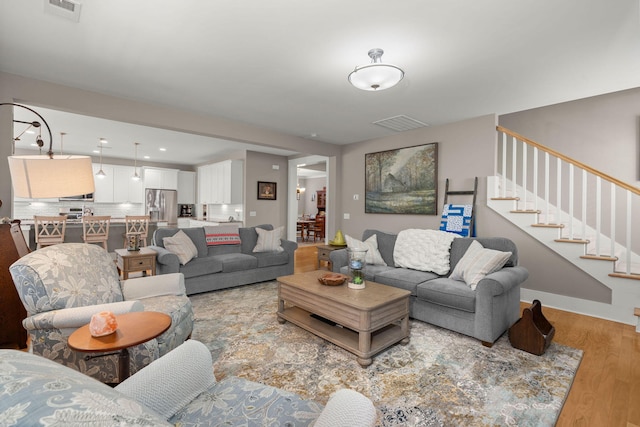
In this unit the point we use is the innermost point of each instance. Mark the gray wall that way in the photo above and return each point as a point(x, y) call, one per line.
point(465, 149)
point(602, 132)
point(259, 167)
point(20, 89)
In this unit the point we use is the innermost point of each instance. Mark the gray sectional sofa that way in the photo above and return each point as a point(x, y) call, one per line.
point(484, 313)
point(223, 266)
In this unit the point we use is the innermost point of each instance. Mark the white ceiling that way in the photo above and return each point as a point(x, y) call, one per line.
point(283, 64)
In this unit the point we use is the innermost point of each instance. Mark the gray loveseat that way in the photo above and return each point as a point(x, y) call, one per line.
point(484, 313)
point(223, 266)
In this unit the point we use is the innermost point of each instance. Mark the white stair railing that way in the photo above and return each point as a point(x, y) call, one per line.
point(579, 197)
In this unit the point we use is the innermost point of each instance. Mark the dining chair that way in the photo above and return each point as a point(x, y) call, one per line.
point(317, 228)
point(49, 230)
point(136, 224)
point(299, 231)
point(95, 229)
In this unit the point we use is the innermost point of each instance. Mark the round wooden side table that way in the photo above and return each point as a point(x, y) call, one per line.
point(133, 329)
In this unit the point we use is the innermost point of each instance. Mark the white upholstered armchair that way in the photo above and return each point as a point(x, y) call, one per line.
point(62, 286)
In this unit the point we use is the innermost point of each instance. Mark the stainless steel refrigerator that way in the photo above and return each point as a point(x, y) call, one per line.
point(162, 205)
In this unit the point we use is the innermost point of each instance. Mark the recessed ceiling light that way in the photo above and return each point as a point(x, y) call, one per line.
point(103, 141)
point(96, 151)
point(146, 157)
point(163, 149)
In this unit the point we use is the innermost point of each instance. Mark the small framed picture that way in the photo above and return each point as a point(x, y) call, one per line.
point(266, 190)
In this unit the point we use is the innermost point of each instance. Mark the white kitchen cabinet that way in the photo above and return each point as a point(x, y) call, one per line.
point(186, 188)
point(204, 184)
point(221, 183)
point(104, 185)
point(125, 189)
point(165, 179)
point(117, 186)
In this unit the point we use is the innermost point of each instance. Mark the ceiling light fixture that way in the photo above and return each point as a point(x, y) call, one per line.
point(376, 76)
point(43, 176)
point(135, 176)
point(101, 173)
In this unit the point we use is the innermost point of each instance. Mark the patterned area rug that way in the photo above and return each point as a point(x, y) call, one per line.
point(440, 378)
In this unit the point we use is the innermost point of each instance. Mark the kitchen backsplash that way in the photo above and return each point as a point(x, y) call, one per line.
point(223, 212)
point(26, 210)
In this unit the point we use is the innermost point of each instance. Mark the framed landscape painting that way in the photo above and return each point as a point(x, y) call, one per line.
point(402, 181)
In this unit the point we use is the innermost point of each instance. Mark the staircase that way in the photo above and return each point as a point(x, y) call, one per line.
point(578, 212)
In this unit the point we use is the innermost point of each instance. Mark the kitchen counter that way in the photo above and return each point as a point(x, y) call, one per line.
point(73, 233)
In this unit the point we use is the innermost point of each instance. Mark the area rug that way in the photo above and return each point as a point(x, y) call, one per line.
point(440, 378)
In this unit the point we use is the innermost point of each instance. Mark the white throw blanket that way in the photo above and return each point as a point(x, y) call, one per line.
point(424, 250)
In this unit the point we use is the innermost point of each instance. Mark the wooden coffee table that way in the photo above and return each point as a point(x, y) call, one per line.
point(362, 321)
point(133, 329)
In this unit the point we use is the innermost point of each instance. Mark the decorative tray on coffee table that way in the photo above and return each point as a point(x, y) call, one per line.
point(332, 279)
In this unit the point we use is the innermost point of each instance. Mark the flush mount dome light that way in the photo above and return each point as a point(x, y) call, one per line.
point(376, 76)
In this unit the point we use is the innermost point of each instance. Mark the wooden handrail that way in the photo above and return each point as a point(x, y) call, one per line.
point(567, 159)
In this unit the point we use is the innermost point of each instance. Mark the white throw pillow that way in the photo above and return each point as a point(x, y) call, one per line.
point(181, 245)
point(269, 240)
point(371, 244)
point(477, 262)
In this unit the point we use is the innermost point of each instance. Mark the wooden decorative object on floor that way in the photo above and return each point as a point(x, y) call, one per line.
point(533, 332)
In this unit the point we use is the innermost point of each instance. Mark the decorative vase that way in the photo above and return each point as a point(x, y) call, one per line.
point(103, 323)
point(357, 265)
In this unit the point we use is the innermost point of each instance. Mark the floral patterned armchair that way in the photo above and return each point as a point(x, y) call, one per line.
point(62, 286)
point(177, 389)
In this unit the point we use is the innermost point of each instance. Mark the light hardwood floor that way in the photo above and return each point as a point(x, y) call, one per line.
point(606, 390)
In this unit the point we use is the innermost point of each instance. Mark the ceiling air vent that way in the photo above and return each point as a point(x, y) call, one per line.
point(400, 123)
point(69, 9)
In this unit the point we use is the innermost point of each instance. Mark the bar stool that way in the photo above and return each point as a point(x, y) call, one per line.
point(136, 224)
point(95, 229)
point(49, 230)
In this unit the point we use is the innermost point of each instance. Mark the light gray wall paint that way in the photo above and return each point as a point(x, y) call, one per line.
point(20, 89)
point(465, 149)
point(602, 131)
point(259, 167)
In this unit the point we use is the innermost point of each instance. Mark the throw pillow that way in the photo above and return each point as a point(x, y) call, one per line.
point(181, 245)
point(477, 262)
point(269, 240)
point(371, 244)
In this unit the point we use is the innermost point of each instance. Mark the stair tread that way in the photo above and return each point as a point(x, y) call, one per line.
point(599, 257)
point(567, 240)
point(526, 211)
point(548, 225)
point(505, 198)
point(625, 276)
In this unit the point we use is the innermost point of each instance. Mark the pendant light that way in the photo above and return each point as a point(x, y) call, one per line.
point(135, 176)
point(48, 176)
point(101, 173)
point(376, 76)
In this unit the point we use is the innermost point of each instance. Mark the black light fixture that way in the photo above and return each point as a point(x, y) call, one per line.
point(45, 176)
